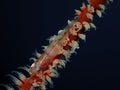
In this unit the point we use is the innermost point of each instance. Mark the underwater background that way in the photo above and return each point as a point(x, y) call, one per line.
point(27, 24)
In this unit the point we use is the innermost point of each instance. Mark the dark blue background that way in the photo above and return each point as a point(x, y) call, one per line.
point(26, 24)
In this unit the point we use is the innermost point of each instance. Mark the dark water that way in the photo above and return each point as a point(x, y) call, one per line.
point(26, 24)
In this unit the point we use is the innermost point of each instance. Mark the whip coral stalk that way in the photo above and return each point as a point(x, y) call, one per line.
point(59, 50)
